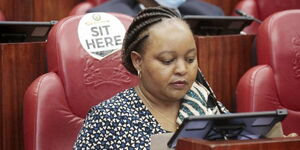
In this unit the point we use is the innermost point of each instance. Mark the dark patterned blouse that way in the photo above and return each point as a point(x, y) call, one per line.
point(122, 122)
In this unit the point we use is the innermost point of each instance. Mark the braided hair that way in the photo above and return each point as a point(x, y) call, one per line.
point(135, 35)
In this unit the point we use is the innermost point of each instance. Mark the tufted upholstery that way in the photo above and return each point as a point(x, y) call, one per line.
point(56, 103)
point(261, 9)
point(275, 82)
point(82, 7)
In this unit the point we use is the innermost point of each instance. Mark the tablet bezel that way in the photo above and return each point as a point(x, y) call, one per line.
point(217, 25)
point(24, 31)
point(206, 123)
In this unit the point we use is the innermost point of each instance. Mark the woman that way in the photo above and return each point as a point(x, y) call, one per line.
point(158, 47)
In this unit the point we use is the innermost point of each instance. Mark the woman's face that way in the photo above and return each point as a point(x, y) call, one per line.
point(169, 63)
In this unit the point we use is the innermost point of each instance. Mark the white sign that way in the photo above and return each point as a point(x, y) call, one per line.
point(100, 34)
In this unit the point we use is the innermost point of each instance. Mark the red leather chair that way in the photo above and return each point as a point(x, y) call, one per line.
point(57, 102)
point(82, 7)
point(261, 9)
point(275, 82)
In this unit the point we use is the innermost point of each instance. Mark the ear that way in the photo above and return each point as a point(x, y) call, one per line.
point(136, 59)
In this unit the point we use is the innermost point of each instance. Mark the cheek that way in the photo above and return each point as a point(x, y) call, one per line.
point(158, 72)
point(192, 73)
point(194, 66)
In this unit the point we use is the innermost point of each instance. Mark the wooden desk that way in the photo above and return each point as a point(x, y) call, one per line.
point(20, 64)
point(291, 143)
point(223, 60)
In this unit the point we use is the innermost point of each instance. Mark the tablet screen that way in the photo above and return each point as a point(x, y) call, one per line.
point(24, 31)
point(217, 25)
point(240, 126)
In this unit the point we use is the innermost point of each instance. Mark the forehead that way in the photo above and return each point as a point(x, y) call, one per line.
point(169, 29)
point(170, 24)
point(170, 34)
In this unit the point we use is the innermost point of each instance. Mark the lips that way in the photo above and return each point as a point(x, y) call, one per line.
point(179, 84)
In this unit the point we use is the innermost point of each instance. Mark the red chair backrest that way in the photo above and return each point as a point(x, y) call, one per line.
point(261, 9)
point(275, 82)
point(57, 102)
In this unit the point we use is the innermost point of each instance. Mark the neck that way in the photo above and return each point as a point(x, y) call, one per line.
point(165, 105)
point(165, 112)
point(148, 3)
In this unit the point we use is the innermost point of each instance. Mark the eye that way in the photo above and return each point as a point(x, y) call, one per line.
point(190, 60)
point(167, 62)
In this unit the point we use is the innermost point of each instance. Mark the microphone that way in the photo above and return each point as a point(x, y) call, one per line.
point(241, 13)
point(212, 100)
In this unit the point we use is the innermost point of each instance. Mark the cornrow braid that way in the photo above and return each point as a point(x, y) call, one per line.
point(135, 37)
point(134, 32)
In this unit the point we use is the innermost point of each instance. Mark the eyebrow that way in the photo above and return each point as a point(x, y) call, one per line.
point(169, 51)
point(191, 50)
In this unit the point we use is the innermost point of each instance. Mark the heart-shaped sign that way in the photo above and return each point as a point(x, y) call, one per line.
point(100, 34)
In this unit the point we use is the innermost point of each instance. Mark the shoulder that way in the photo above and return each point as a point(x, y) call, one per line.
point(114, 123)
point(122, 101)
point(125, 104)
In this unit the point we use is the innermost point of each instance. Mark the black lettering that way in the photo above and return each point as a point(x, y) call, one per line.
point(108, 41)
point(88, 44)
point(118, 40)
point(94, 31)
point(100, 29)
point(106, 29)
point(99, 42)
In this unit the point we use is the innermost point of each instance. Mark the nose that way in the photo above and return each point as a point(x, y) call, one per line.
point(181, 67)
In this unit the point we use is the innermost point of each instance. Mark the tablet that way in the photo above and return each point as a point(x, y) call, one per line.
point(24, 31)
point(239, 126)
point(217, 25)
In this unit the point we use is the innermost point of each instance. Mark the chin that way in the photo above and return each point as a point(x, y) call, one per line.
point(178, 95)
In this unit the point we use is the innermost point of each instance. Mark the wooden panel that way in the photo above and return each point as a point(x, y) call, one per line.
point(226, 5)
point(36, 10)
point(291, 143)
point(17, 10)
point(5, 6)
point(223, 60)
point(20, 65)
point(52, 9)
